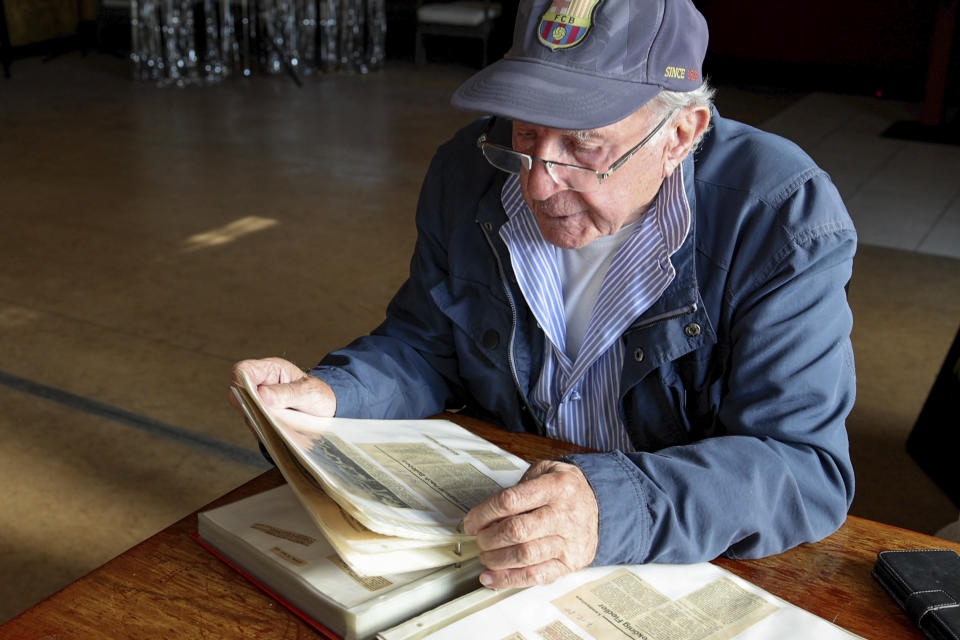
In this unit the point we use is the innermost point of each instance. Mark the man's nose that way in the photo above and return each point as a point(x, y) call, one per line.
point(540, 184)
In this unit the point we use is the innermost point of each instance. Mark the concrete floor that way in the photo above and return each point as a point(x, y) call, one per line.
point(151, 237)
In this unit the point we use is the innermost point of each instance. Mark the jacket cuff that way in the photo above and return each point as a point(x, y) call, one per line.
point(345, 389)
point(623, 536)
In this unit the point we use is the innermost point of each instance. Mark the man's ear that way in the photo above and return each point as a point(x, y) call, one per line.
point(687, 128)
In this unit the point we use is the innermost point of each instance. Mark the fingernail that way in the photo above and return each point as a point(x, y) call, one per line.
point(486, 579)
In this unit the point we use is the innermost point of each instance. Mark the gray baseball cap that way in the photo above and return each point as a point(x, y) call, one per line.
point(584, 64)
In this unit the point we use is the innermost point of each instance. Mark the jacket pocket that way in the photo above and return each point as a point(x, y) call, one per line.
point(678, 402)
point(481, 321)
point(481, 326)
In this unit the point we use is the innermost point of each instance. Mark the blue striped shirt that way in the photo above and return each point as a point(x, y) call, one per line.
point(577, 400)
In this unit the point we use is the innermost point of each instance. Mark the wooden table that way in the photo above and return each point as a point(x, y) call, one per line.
point(169, 587)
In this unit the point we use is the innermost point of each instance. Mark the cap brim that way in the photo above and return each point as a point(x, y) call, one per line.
point(534, 92)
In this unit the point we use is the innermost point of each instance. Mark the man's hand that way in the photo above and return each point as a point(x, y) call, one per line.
point(538, 530)
point(282, 384)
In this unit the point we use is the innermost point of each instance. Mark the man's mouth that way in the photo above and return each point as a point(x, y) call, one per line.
point(547, 210)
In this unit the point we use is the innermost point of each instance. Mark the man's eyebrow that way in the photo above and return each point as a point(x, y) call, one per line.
point(582, 135)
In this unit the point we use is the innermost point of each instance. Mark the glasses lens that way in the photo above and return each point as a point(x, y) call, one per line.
point(575, 178)
point(568, 177)
point(505, 159)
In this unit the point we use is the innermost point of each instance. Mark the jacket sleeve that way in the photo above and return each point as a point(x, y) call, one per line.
point(407, 366)
point(778, 471)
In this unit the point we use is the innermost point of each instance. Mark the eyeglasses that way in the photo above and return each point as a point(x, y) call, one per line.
point(568, 176)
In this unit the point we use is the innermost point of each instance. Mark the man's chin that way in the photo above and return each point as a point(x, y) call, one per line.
point(566, 232)
point(566, 238)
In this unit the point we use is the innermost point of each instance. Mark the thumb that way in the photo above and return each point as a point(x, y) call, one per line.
point(307, 394)
point(280, 396)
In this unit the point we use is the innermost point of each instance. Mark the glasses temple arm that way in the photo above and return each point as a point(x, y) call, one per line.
point(623, 159)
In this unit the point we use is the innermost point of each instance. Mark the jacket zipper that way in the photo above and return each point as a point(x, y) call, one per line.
point(663, 317)
point(513, 327)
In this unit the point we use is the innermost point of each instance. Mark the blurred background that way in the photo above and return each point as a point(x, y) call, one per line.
point(176, 195)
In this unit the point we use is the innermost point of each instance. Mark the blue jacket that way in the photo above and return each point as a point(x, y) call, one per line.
point(736, 383)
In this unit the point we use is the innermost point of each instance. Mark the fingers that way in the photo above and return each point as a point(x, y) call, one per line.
point(538, 530)
point(308, 394)
point(282, 384)
point(530, 493)
point(527, 554)
point(543, 573)
point(508, 534)
point(266, 371)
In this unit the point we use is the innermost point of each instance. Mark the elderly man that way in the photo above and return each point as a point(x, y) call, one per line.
point(608, 261)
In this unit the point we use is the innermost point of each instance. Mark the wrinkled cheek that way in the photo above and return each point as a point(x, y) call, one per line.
point(568, 233)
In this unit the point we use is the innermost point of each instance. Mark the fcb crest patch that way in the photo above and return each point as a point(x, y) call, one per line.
point(566, 23)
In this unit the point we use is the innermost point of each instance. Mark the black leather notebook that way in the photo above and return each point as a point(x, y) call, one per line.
point(926, 584)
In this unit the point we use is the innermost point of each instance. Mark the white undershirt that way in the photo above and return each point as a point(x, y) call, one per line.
point(581, 273)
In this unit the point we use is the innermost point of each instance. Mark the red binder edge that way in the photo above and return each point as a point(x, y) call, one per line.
point(327, 633)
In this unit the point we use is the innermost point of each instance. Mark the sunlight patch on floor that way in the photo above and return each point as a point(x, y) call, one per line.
point(228, 233)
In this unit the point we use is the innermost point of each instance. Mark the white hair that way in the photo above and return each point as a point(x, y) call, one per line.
point(674, 101)
point(667, 100)
point(664, 103)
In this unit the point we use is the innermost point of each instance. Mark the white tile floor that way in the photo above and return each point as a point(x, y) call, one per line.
point(901, 194)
